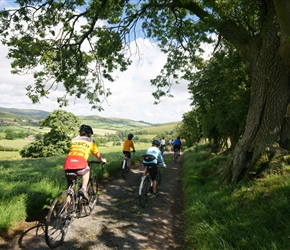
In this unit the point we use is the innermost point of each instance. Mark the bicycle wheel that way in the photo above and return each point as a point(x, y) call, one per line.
point(158, 180)
point(144, 189)
point(124, 168)
point(59, 218)
point(93, 186)
point(175, 156)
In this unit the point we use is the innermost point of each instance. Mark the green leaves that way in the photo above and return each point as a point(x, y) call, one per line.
point(64, 125)
point(220, 96)
point(64, 43)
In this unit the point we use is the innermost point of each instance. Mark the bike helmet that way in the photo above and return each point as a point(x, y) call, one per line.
point(156, 142)
point(87, 129)
point(130, 136)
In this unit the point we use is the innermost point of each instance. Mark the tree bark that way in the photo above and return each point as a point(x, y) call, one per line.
point(266, 124)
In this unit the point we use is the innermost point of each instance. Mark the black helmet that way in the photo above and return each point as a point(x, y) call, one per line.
point(87, 129)
point(130, 136)
point(156, 142)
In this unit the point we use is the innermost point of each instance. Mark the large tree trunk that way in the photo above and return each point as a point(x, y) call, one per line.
point(265, 120)
point(266, 125)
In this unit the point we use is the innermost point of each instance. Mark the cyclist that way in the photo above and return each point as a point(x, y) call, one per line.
point(177, 145)
point(170, 144)
point(163, 145)
point(127, 145)
point(76, 160)
point(154, 156)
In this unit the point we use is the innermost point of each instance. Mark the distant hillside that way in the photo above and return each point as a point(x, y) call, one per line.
point(28, 119)
point(29, 113)
point(113, 123)
point(15, 116)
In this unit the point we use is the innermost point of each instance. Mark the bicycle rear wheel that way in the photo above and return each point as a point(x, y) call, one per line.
point(59, 218)
point(158, 179)
point(93, 187)
point(144, 190)
point(175, 156)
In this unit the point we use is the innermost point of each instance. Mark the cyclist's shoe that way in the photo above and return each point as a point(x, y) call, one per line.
point(66, 223)
point(153, 195)
point(84, 193)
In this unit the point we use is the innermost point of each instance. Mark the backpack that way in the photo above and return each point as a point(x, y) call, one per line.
point(148, 158)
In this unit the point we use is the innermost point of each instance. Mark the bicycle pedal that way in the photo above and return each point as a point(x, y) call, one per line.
point(66, 223)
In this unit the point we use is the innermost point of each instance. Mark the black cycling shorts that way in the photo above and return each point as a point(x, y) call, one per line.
point(152, 168)
point(176, 147)
point(127, 153)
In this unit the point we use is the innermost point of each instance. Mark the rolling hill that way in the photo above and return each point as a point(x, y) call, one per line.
point(30, 117)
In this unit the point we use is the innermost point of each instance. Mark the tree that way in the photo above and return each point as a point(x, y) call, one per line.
point(258, 29)
point(220, 97)
point(190, 128)
point(64, 125)
point(10, 134)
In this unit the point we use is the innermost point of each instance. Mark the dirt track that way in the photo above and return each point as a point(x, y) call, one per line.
point(118, 221)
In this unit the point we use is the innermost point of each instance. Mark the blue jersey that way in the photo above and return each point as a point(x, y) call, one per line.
point(158, 156)
point(177, 142)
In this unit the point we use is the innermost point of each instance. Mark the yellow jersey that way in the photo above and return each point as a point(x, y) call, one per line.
point(80, 149)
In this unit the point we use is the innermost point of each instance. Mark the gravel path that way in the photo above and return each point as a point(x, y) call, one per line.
point(118, 221)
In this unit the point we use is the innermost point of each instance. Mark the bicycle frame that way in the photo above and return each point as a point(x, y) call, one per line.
point(77, 198)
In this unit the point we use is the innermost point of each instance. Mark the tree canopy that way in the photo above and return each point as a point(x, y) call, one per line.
point(64, 125)
point(78, 44)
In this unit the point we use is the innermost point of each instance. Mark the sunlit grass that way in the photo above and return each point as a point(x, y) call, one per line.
point(254, 215)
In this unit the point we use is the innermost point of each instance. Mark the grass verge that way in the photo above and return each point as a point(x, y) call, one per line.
point(253, 215)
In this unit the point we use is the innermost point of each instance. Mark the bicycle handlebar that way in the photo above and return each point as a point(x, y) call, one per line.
point(97, 162)
point(92, 162)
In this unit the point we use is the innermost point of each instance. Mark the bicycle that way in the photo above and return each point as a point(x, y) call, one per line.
point(146, 186)
point(176, 154)
point(125, 167)
point(69, 205)
point(162, 149)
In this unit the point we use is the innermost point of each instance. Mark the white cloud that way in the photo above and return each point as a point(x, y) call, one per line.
point(131, 93)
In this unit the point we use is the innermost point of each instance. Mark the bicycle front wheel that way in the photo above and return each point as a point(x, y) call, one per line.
point(124, 168)
point(93, 187)
point(59, 218)
point(144, 190)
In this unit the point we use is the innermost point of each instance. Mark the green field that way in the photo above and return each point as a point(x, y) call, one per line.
point(5, 155)
point(18, 143)
point(103, 132)
point(162, 127)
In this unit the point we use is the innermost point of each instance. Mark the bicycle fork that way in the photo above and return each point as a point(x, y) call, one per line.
point(124, 162)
